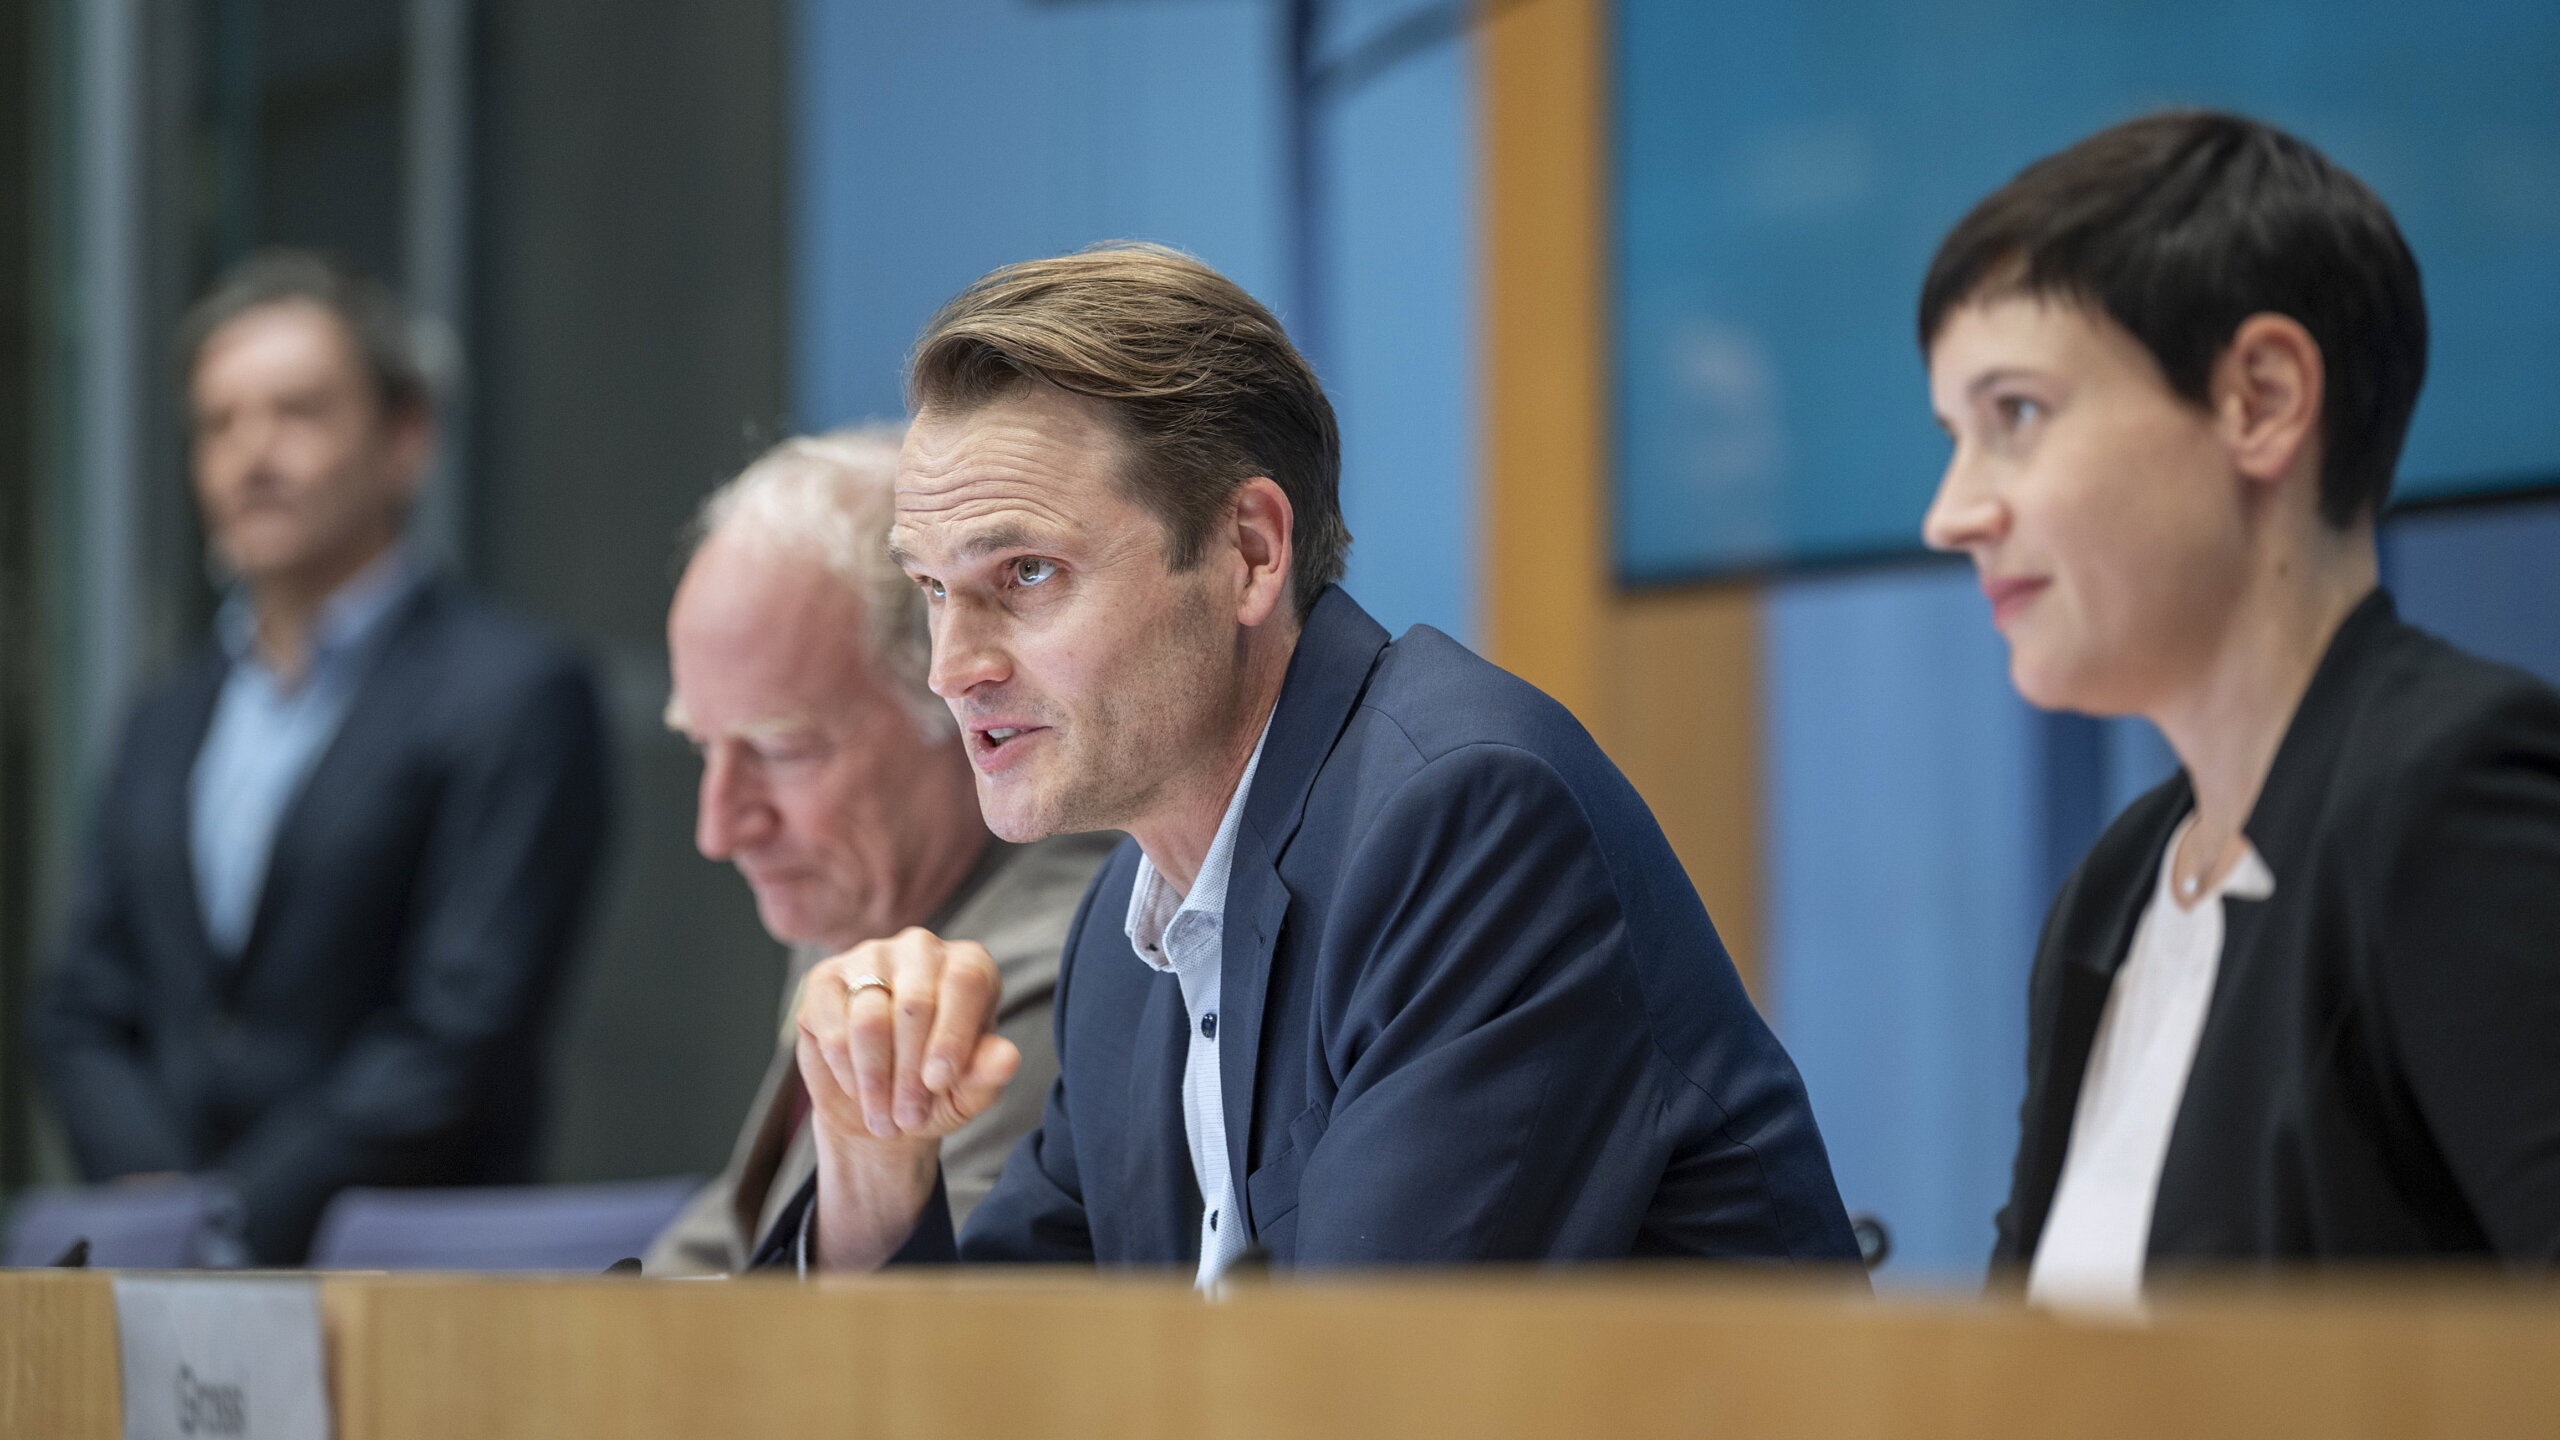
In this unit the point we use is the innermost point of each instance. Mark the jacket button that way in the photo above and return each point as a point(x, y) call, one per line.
point(1209, 1026)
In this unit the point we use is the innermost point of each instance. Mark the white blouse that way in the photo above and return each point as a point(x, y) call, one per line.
point(2099, 1232)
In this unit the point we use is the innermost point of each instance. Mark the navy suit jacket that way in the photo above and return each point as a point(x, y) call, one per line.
point(1472, 1010)
point(384, 1024)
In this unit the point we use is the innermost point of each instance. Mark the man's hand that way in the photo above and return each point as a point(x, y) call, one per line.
point(897, 1049)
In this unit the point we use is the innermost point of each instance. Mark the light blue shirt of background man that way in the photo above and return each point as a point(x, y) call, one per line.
point(268, 731)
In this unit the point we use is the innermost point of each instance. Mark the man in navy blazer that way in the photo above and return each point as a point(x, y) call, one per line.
point(1395, 967)
point(337, 866)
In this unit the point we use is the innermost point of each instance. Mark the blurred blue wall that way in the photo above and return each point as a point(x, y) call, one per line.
point(1403, 335)
point(935, 142)
point(2485, 577)
point(1903, 897)
point(1787, 171)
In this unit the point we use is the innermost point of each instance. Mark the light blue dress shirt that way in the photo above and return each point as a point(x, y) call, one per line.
point(1183, 935)
point(266, 736)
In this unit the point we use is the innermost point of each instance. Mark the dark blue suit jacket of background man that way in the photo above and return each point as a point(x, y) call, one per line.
point(1472, 1010)
point(386, 1022)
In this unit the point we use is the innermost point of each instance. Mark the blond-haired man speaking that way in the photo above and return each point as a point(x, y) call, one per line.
point(1395, 967)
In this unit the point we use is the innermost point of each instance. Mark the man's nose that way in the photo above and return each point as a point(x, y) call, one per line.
point(966, 652)
point(241, 458)
point(731, 812)
point(254, 440)
point(1965, 513)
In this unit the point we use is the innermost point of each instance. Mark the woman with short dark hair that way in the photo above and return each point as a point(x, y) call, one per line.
point(2302, 1002)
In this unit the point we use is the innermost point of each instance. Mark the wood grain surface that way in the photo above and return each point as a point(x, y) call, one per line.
point(1674, 1352)
point(58, 1363)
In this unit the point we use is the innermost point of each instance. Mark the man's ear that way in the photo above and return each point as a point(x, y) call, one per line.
point(409, 437)
point(2268, 389)
point(1262, 520)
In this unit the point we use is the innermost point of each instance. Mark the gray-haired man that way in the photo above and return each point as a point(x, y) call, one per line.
point(837, 784)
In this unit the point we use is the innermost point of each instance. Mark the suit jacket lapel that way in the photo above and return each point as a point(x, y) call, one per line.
point(385, 703)
point(1254, 914)
point(2283, 827)
point(173, 849)
point(756, 1163)
point(2284, 823)
point(1158, 1178)
point(2092, 948)
point(1335, 654)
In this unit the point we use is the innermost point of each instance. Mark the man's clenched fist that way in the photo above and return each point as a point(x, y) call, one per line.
point(898, 1049)
point(897, 1037)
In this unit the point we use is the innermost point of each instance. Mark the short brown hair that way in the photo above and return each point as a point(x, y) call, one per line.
point(1202, 382)
point(399, 353)
point(2181, 225)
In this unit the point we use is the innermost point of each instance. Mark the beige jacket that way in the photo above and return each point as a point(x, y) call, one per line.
point(1018, 903)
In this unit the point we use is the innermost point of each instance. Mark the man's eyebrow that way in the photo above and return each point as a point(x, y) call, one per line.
point(777, 727)
point(1003, 535)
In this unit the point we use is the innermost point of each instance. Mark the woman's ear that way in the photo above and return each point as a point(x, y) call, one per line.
point(2268, 389)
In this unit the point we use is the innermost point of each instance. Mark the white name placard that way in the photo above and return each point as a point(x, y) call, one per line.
point(211, 1358)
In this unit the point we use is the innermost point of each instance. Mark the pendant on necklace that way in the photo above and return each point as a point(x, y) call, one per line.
point(2188, 885)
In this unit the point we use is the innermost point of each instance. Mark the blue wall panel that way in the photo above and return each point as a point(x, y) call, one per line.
point(2487, 578)
point(935, 142)
point(1786, 171)
point(1402, 338)
point(1904, 863)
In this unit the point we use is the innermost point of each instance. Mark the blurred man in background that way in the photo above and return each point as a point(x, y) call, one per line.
point(342, 854)
point(839, 786)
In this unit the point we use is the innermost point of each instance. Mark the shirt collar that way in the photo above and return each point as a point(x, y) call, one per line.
point(2250, 879)
point(1154, 905)
point(349, 618)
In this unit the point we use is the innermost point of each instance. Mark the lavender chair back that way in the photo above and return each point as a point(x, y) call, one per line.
point(160, 1225)
point(581, 1228)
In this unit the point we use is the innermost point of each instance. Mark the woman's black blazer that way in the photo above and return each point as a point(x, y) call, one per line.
point(2379, 1073)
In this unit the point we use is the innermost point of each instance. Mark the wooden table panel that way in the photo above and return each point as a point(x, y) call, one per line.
point(1489, 1356)
point(1526, 1354)
point(58, 1365)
